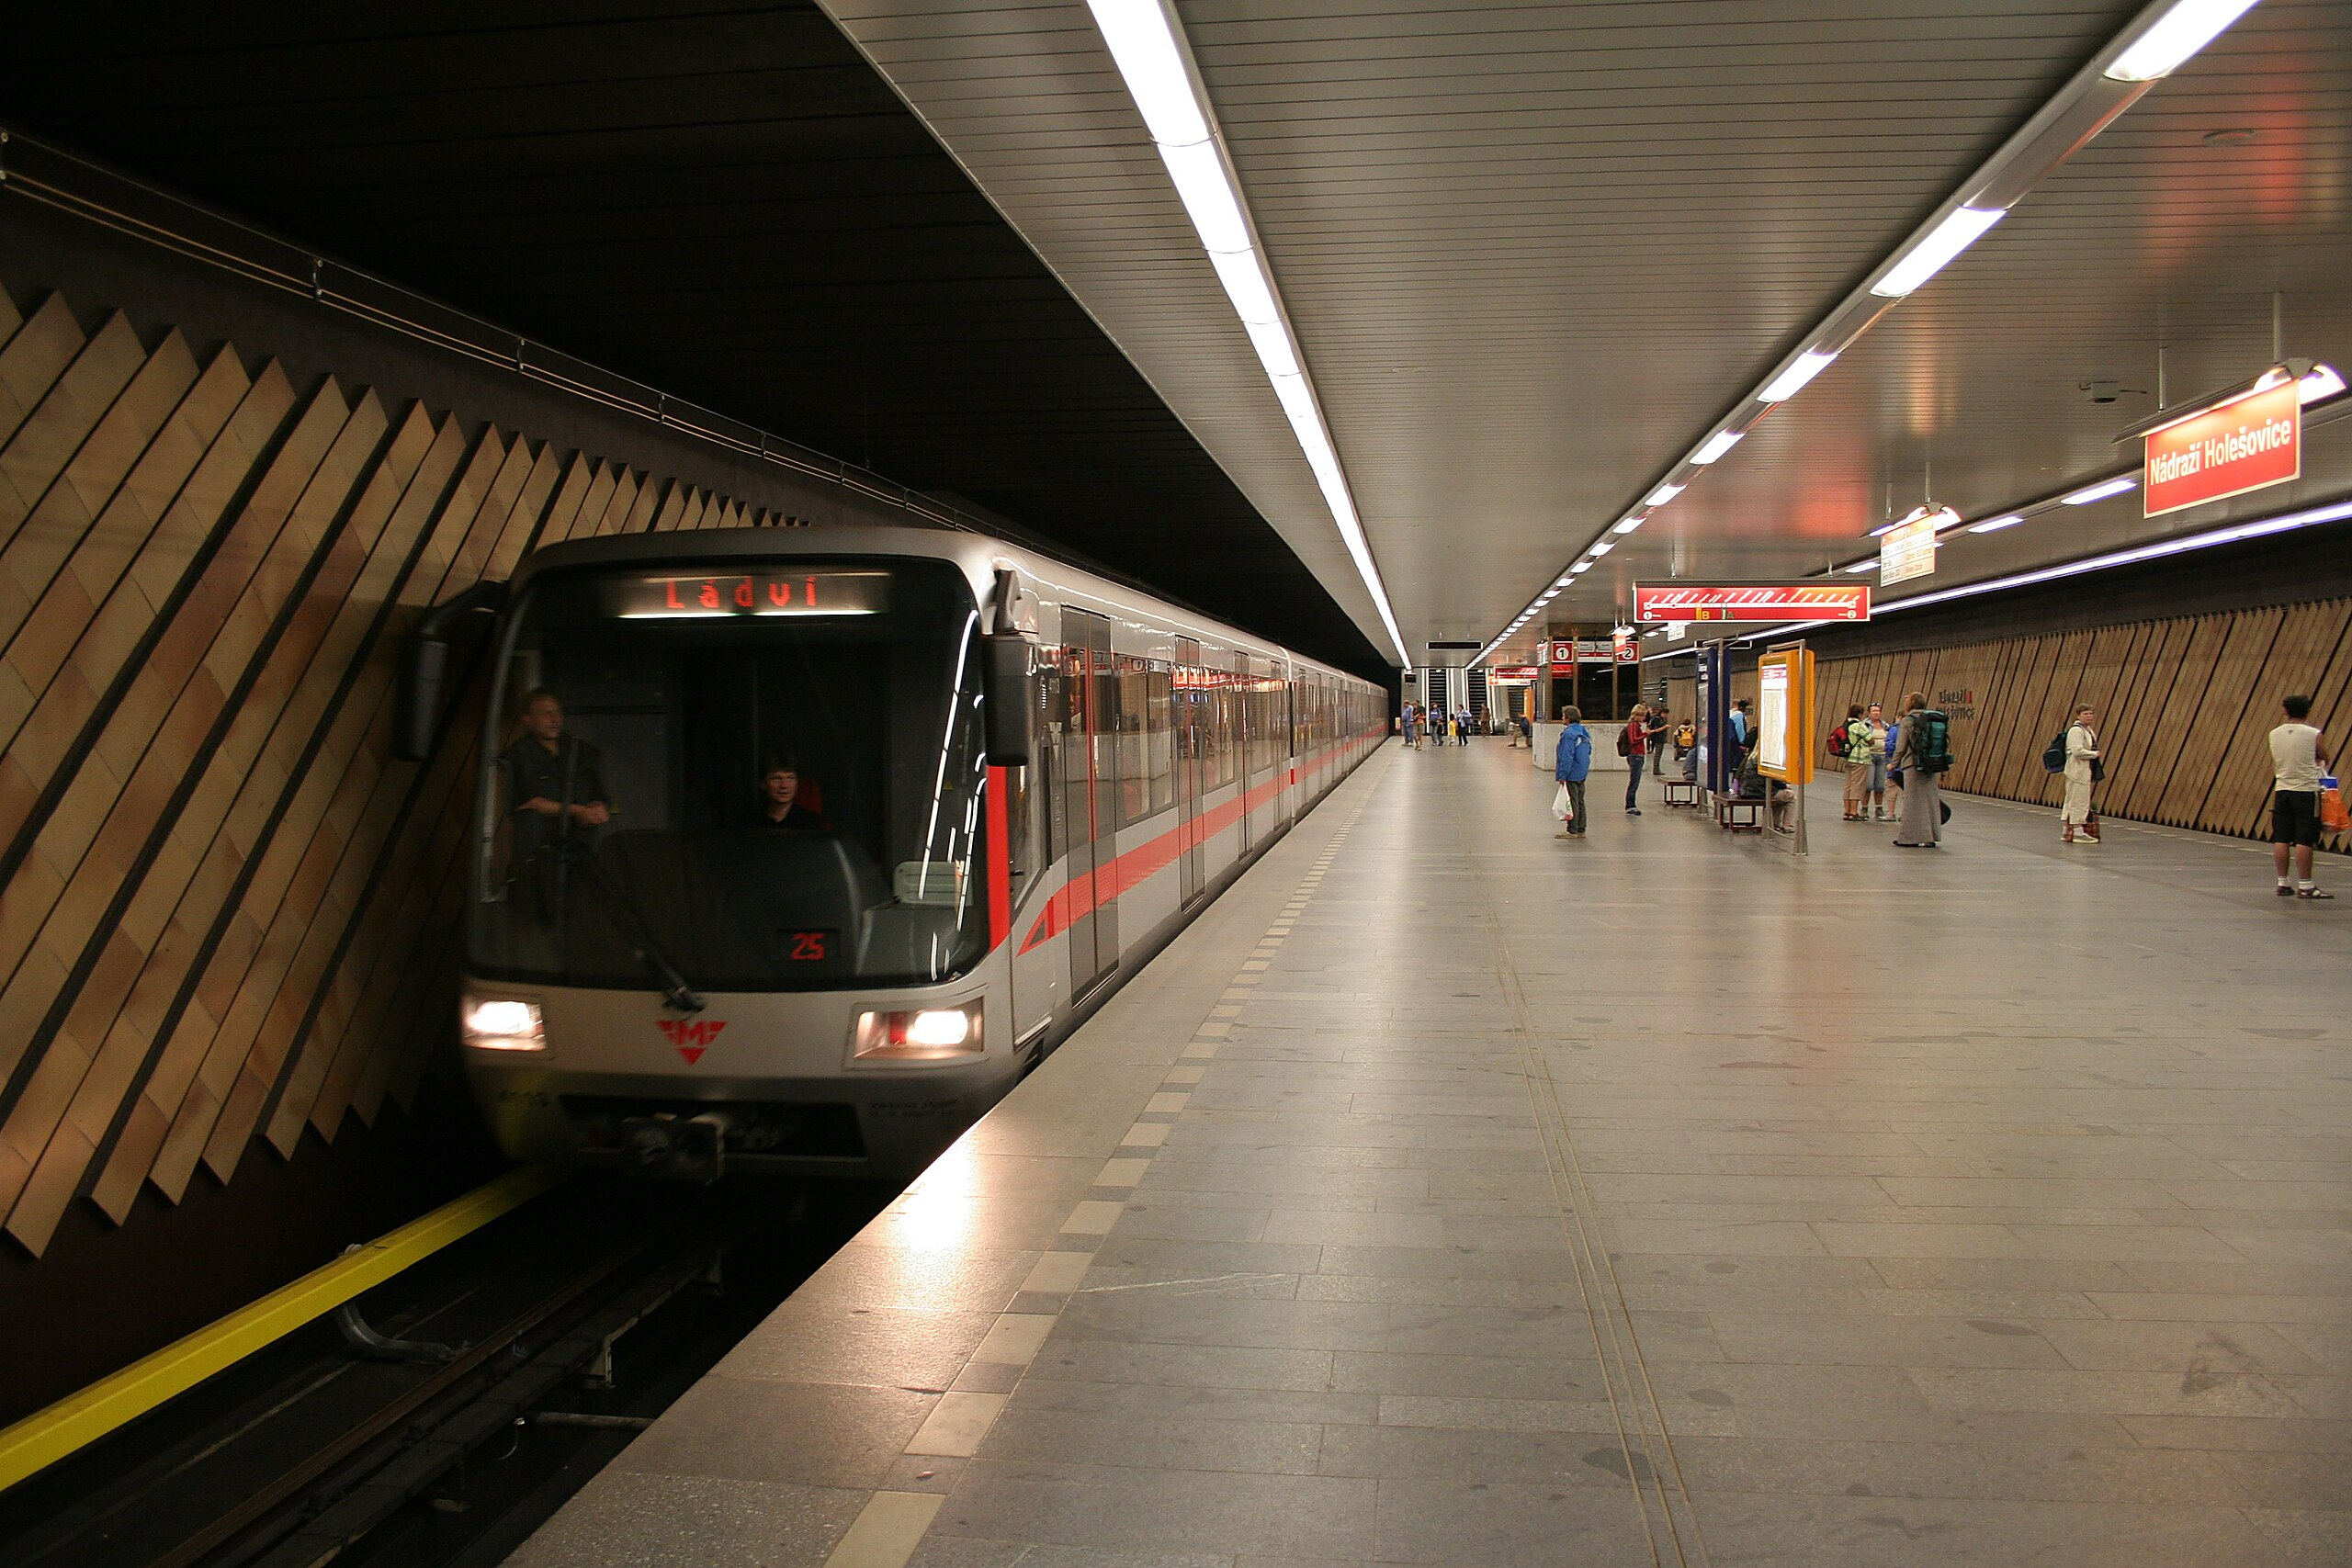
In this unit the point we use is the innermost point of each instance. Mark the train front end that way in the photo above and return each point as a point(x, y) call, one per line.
point(728, 892)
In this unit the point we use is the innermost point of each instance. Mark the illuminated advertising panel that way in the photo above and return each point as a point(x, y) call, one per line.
point(1817, 601)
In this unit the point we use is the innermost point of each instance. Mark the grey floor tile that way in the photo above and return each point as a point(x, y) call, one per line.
point(628, 1519)
point(1112, 1509)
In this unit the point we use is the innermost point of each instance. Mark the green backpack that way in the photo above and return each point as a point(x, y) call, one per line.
point(1931, 741)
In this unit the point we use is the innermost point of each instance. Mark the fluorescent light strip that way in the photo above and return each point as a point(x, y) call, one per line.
point(2180, 33)
point(1936, 250)
point(1663, 494)
point(1715, 446)
point(2335, 512)
point(1994, 524)
point(1631, 524)
point(2099, 491)
point(1144, 45)
point(1791, 382)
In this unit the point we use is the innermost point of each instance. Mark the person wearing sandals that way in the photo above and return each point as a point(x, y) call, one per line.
point(2083, 770)
point(2298, 760)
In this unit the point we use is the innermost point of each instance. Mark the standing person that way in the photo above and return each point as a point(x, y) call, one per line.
point(1571, 765)
point(2083, 770)
point(1921, 825)
point(1882, 745)
point(2298, 760)
point(1461, 724)
point(1659, 732)
point(1852, 745)
point(1743, 731)
point(1633, 745)
point(556, 798)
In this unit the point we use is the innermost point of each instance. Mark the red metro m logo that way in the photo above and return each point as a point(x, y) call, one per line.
point(691, 1036)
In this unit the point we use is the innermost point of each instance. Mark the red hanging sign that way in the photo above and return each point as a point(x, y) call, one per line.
point(2243, 445)
point(1751, 602)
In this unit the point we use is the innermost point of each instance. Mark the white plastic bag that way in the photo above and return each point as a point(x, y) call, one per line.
point(1563, 805)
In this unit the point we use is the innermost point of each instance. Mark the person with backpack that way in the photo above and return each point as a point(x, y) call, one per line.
point(1850, 747)
point(1571, 765)
point(1923, 750)
point(1633, 745)
point(2078, 759)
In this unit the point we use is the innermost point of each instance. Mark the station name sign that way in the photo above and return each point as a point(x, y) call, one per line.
point(1751, 602)
point(2228, 450)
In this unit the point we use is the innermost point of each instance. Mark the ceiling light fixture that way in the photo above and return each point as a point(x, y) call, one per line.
point(1715, 446)
point(2189, 27)
point(2099, 491)
point(1994, 524)
point(1663, 494)
point(1602, 548)
point(1934, 251)
point(1148, 48)
point(1629, 524)
point(1791, 382)
point(1863, 566)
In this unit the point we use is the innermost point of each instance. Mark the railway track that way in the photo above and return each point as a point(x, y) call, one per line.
point(450, 1411)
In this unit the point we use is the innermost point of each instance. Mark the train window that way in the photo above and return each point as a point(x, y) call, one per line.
point(764, 778)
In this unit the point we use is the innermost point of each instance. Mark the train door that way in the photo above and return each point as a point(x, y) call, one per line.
point(1092, 794)
point(1192, 764)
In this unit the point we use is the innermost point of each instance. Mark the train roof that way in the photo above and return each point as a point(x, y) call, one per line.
point(980, 556)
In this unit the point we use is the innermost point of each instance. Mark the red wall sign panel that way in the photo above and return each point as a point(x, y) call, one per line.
point(1751, 602)
point(2244, 444)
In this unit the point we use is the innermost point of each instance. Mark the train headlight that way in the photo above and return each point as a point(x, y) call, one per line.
point(502, 1024)
point(931, 1034)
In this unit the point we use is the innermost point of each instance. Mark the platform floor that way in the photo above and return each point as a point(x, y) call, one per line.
point(1450, 1194)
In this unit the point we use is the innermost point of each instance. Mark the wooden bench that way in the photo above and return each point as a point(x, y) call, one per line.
point(1739, 814)
point(1682, 792)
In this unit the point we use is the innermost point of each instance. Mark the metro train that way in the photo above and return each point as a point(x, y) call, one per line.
point(792, 849)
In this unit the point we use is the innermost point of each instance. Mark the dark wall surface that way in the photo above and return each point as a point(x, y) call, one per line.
point(721, 200)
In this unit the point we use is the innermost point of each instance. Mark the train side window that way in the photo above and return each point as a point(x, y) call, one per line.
point(1159, 736)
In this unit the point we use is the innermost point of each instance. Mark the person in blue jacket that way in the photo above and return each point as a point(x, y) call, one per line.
point(1572, 764)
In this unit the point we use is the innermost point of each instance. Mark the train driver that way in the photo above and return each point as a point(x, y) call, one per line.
point(781, 806)
point(555, 780)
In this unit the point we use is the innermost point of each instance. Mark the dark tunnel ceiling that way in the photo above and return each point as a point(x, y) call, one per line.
point(723, 202)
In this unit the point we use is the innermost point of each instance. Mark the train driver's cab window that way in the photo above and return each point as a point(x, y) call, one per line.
point(765, 777)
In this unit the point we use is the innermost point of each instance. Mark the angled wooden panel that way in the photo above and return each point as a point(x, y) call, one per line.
point(33, 560)
point(95, 569)
point(124, 792)
point(2146, 695)
point(2191, 672)
point(36, 355)
point(257, 1019)
point(212, 1014)
point(50, 437)
point(2204, 715)
point(2238, 790)
point(201, 932)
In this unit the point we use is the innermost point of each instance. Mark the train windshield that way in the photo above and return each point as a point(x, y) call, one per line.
point(767, 778)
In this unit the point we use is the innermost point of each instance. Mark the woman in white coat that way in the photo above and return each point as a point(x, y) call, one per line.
point(2082, 770)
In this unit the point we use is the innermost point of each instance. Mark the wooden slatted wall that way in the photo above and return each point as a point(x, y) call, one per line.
point(2185, 706)
point(226, 913)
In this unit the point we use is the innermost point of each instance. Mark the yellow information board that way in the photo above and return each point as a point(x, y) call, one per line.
point(1784, 716)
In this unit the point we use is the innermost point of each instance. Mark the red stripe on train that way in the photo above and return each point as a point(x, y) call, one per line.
point(1083, 896)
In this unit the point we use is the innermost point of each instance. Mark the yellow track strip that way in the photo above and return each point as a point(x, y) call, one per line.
point(43, 1439)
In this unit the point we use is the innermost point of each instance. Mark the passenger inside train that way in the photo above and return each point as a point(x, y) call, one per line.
point(784, 804)
point(679, 689)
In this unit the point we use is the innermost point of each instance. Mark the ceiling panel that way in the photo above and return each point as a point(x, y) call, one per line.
point(1533, 251)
